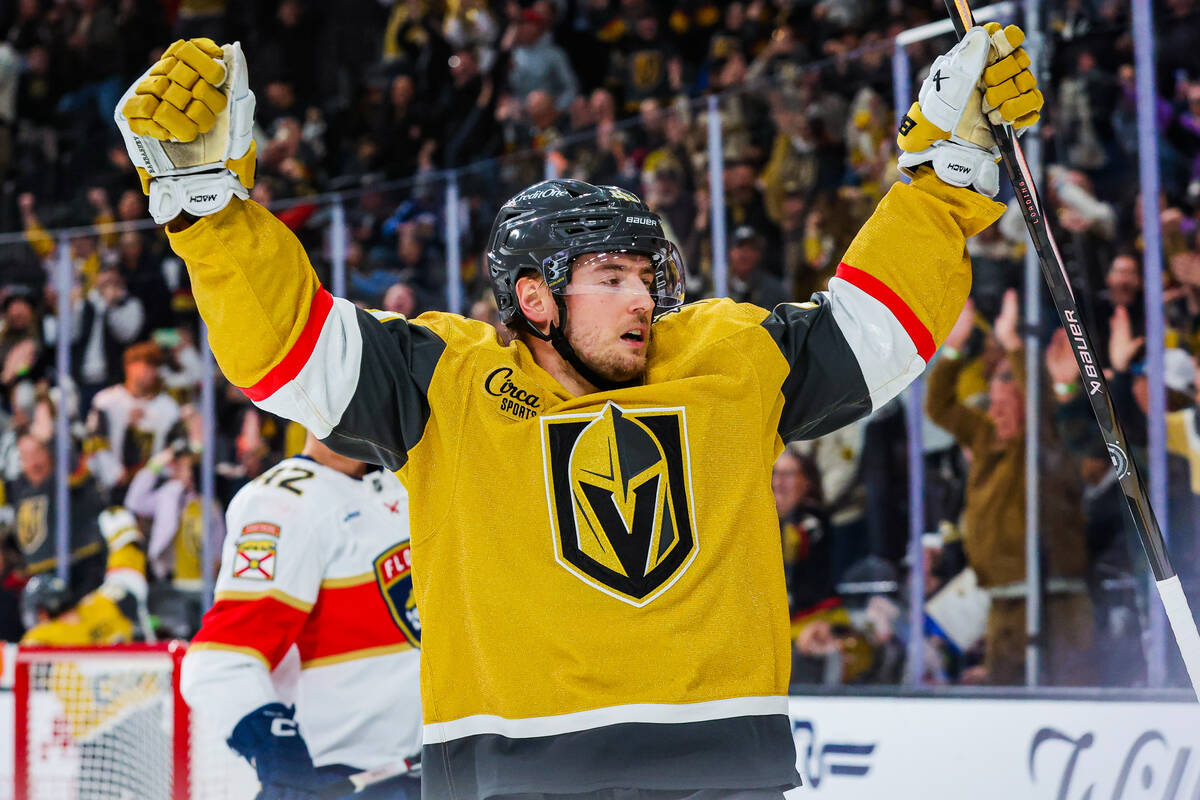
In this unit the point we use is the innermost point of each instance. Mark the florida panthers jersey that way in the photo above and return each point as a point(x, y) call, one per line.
point(599, 577)
point(317, 561)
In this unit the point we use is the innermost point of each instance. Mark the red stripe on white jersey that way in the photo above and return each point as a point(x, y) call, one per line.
point(346, 619)
point(265, 625)
point(295, 359)
point(922, 339)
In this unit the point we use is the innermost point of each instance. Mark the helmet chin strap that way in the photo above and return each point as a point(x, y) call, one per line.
point(558, 339)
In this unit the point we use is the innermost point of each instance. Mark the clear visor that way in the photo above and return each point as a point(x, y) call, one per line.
point(631, 273)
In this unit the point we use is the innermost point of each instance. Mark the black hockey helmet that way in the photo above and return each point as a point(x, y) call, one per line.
point(547, 226)
point(46, 592)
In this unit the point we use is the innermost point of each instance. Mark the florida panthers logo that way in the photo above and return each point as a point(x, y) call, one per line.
point(393, 574)
point(619, 487)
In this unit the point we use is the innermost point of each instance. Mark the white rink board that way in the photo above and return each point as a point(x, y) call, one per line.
point(867, 748)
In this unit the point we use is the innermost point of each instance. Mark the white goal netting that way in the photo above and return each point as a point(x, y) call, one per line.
point(109, 724)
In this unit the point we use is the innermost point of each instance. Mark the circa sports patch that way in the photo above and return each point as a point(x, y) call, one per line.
point(256, 560)
point(261, 528)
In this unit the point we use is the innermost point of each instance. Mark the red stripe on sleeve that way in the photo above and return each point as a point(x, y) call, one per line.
point(291, 364)
point(916, 330)
point(265, 625)
point(346, 619)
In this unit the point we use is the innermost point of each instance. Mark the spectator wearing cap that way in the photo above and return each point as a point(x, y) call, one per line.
point(537, 62)
point(103, 324)
point(748, 281)
point(132, 420)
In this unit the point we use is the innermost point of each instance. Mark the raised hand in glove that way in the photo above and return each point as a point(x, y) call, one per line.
point(270, 740)
point(984, 78)
point(188, 128)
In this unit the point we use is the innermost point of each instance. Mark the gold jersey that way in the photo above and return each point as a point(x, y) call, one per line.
point(599, 578)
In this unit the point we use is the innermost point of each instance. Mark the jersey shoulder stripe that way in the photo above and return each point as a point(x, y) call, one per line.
point(921, 338)
point(292, 362)
point(317, 376)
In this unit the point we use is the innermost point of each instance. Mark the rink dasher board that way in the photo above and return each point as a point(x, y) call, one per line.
point(985, 748)
point(1020, 747)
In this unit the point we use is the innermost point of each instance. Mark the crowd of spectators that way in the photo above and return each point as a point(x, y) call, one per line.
point(376, 100)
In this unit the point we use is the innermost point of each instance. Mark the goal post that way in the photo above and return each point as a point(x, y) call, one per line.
point(94, 722)
point(110, 723)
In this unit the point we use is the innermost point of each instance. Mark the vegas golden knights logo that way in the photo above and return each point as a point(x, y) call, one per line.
point(619, 484)
point(32, 526)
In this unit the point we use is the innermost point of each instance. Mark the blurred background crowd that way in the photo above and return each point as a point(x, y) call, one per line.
point(376, 100)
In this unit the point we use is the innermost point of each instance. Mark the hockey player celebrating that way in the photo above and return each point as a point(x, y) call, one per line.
point(595, 546)
point(316, 567)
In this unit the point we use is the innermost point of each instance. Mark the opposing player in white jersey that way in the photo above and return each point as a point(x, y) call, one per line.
point(315, 568)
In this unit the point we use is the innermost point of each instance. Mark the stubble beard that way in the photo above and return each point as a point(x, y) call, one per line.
point(605, 358)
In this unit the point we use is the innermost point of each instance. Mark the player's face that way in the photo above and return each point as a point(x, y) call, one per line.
point(609, 309)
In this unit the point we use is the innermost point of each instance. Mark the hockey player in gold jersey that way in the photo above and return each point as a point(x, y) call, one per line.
point(596, 557)
point(107, 615)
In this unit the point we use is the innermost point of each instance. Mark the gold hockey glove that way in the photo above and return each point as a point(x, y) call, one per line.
point(948, 125)
point(188, 128)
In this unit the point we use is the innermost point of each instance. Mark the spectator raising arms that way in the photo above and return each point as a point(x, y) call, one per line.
point(132, 420)
point(994, 518)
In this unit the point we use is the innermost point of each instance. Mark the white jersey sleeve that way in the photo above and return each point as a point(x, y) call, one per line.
point(273, 561)
point(318, 567)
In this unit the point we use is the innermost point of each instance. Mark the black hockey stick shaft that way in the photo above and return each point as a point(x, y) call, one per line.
point(1093, 381)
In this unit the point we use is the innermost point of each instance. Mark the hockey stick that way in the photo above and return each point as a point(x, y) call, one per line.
point(352, 784)
point(1169, 588)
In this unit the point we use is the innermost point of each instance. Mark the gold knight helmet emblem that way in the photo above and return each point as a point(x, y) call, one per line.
point(624, 511)
point(619, 484)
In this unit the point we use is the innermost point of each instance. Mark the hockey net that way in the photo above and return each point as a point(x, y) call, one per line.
point(108, 723)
